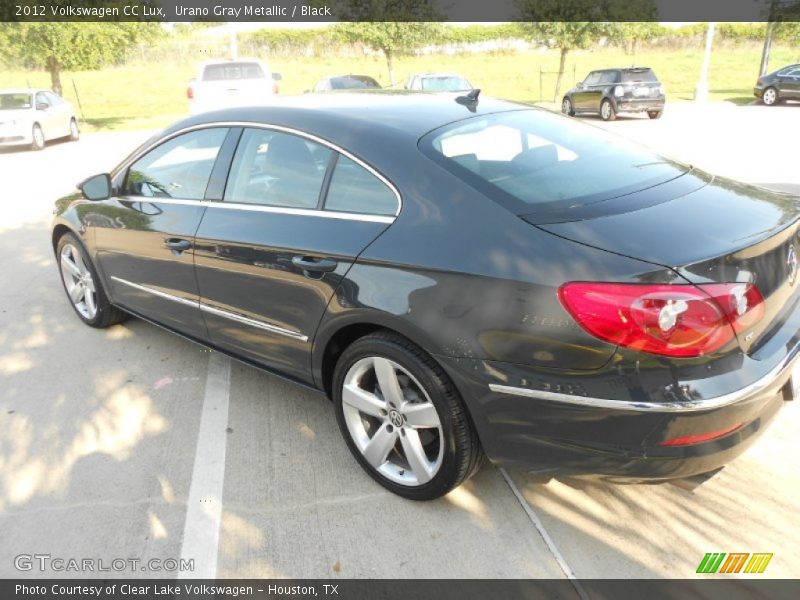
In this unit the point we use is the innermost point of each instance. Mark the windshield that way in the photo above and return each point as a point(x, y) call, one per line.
point(15, 101)
point(445, 84)
point(233, 70)
point(534, 161)
point(645, 75)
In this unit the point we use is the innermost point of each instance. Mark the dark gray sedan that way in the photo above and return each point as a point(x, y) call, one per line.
point(783, 84)
point(459, 276)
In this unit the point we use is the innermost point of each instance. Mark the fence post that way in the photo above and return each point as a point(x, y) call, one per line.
point(541, 98)
point(77, 96)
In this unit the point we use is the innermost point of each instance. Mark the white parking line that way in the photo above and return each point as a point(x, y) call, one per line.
point(204, 506)
point(562, 562)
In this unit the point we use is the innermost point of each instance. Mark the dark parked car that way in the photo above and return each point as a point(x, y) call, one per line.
point(611, 91)
point(346, 82)
point(783, 84)
point(459, 276)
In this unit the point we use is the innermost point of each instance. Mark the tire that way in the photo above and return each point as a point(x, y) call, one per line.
point(38, 137)
point(79, 277)
point(566, 107)
point(74, 131)
point(770, 96)
point(654, 114)
point(607, 112)
point(424, 415)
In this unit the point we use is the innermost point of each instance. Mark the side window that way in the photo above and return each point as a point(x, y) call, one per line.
point(354, 189)
point(592, 79)
point(277, 169)
point(53, 99)
point(178, 168)
point(608, 77)
point(41, 99)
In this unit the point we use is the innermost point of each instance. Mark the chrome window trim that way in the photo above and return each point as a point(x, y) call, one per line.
point(214, 310)
point(688, 406)
point(274, 209)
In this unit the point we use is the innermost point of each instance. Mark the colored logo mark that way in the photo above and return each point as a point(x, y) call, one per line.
point(735, 562)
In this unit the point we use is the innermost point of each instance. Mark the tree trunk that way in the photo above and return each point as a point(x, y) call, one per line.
point(390, 65)
point(767, 47)
point(54, 68)
point(561, 64)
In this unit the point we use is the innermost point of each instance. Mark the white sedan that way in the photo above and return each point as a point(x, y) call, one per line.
point(31, 117)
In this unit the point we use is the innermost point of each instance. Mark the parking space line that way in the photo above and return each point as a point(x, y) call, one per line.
point(204, 505)
point(551, 545)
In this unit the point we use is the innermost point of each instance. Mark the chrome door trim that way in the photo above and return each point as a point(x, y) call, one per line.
point(214, 310)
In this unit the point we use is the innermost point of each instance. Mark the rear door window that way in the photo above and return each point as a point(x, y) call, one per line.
point(277, 169)
point(354, 189)
point(178, 168)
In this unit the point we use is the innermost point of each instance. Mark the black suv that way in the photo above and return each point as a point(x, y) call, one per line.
point(611, 91)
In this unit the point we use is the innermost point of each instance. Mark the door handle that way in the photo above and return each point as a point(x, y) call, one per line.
point(319, 265)
point(177, 245)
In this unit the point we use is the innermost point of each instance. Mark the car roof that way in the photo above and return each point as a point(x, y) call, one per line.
point(23, 90)
point(435, 74)
point(397, 113)
point(622, 69)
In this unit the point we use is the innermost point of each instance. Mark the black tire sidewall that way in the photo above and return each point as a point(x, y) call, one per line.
point(437, 390)
point(77, 135)
point(34, 145)
point(612, 114)
point(103, 304)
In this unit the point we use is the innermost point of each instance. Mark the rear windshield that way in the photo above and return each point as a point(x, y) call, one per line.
point(537, 162)
point(233, 70)
point(353, 83)
point(445, 84)
point(15, 101)
point(645, 75)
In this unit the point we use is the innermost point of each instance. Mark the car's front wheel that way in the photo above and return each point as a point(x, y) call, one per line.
point(37, 136)
point(83, 287)
point(402, 418)
point(607, 112)
point(566, 107)
point(770, 96)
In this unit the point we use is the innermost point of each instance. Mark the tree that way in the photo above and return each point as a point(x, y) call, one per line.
point(393, 27)
point(72, 46)
point(576, 24)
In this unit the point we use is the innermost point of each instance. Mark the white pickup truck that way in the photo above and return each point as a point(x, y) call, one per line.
point(225, 83)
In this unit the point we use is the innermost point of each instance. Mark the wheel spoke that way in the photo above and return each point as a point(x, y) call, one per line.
point(415, 454)
point(79, 262)
point(363, 400)
point(421, 415)
point(387, 380)
point(378, 448)
point(91, 304)
point(89, 283)
point(67, 264)
point(76, 293)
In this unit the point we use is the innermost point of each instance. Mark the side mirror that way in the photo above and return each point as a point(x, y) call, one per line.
point(97, 187)
point(42, 106)
point(277, 76)
point(579, 85)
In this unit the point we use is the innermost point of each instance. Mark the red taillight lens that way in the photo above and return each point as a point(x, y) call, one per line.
point(699, 438)
point(190, 92)
point(670, 320)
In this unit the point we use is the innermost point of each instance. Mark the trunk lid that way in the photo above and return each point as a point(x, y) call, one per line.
point(718, 231)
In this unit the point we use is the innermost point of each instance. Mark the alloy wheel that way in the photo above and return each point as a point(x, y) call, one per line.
point(38, 137)
point(566, 107)
point(392, 421)
point(605, 110)
point(78, 281)
point(770, 96)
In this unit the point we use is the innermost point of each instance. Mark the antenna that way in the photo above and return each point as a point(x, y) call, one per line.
point(470, 99)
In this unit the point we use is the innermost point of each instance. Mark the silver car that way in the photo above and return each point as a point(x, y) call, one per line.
point(32, 117)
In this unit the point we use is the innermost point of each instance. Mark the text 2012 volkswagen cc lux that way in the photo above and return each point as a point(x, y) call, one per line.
point(460, 276)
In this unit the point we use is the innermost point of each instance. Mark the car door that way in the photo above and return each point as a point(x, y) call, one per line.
point(46, 116)
point(582, 97)
point(61, 113)
point(295, 215)
point(144, 234)
point(789, 83)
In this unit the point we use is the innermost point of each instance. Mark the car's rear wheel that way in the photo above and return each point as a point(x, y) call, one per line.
point(402, 418)
point(83, 287)
point(74, 132)
point(566, 107)
point(607, 112)
point(37, 136)
point(654, 114)
point(770, 96)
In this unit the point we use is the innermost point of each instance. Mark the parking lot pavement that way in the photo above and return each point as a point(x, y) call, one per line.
point(107, 436)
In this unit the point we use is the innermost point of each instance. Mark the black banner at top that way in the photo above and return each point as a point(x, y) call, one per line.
point(400, 10)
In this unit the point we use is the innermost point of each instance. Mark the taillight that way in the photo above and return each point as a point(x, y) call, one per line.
point(190, 92)
point(670, 320)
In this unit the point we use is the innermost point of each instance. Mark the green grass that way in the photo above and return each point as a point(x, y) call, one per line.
point(138, 96)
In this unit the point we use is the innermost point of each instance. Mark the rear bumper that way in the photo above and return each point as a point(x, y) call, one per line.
point(639, 105)
point(569, 433)
point(758, 92)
